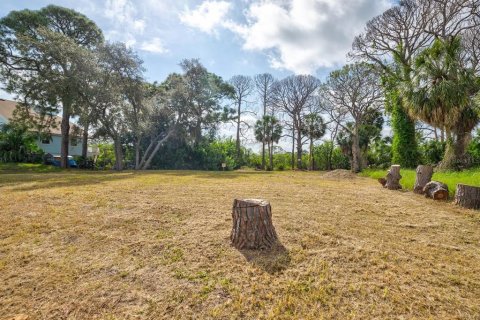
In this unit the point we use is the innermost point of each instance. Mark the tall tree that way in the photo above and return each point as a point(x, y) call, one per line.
point(294, 95)
point(243, 88)
point(441, 95)
point(264, 83)
point(205, 93)
point(268, 130)
point(313, 128)
point(349, 95)
point(44, 53)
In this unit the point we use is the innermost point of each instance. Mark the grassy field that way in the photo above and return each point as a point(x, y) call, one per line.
point(470, 177)
point(155, 245)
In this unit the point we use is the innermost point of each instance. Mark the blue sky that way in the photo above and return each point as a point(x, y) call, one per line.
point(230, 37)
point(248, 37)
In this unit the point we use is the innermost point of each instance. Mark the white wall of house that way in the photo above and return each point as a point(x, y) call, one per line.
point(3, 120)
point(54, 146)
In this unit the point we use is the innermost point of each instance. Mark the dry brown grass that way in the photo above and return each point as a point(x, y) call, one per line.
point(155, 245)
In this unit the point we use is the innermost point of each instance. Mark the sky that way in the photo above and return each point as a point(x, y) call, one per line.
point(281, 37)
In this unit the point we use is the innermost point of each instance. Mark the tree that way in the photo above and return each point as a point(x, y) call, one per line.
point(16, 142)
point(268, 131)
point(43, 57)
point(390, 41)
point(314, 128)
point(205, 93)
point(294, 95)
point(264, 83)
point(243, 88)
point(348, 96)
point(441, 95)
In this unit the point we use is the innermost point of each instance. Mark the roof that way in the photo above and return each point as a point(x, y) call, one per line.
point(8, 106)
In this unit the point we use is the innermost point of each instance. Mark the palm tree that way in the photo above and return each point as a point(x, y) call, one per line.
point(314, 128)
point(269, 131)
point(441, 94)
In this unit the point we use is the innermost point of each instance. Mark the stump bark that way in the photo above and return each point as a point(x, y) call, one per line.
point(468, 196)
point(436, 190)
point(424, 176)
point(252, 224)
point(393, 178)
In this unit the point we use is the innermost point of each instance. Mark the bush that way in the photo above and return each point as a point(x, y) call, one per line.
point(17, 144)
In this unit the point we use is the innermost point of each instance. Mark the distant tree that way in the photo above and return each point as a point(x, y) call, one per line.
point(349, 95)
point(314, 129)
point(269, 131)
point(44, 53)
point(264, 84)
point(205, 93)
point(243, 88)
point(294, 95)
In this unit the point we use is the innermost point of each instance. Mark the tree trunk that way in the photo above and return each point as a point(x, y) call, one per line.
point(147, 158)
point(293, 146)
point(436, 190)
point(393, 178)
point(118, 154)
point(263, 152)
point(65, 131)
point(85, 142)
point(237, 143)
point(424, 176)
point(468, 196)
point(311, 155)
point(252, 225)
point(356, 165)
point(299, 149)
point(270, 154)
point(137, 153)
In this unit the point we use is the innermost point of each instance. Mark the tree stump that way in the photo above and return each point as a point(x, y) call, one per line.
point(467, 196)
point(252, 224)
point(424, 176)
point(393, 178)
point(436, 190)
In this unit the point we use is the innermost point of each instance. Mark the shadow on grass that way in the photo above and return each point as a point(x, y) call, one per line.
point(272, 261)
point(59, 180)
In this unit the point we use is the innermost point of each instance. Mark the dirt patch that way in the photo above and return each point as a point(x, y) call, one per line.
point(339, 174)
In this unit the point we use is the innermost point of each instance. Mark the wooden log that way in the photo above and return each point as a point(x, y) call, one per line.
point(393, 178)
point(436, 190)
point(424, 176)
point(252, 224)
point(468, 196)
point(382, 181)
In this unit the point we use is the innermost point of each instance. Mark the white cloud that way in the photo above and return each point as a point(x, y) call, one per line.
point(154, 45)
point(207, 16)
point(303, 35)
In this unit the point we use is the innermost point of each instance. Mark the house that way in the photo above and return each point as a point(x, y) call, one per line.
point(50, 145)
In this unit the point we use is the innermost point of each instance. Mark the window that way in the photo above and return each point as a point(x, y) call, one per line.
point(45, 140)
point(73, 142)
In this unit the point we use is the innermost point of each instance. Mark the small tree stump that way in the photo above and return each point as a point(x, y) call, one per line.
point(436, 190)
point(424, 176)
point(467, 196)
point(252, 224)
point(393, 178)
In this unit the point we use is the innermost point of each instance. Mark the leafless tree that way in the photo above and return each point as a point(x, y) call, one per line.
point(294, 95)
point(264, 83)
point(243, 88)
point(347, 96)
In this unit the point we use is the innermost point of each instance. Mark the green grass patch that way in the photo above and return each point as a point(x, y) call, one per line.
point(26, 167)
point(450, 178)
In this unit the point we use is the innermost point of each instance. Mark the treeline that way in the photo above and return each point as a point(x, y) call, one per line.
point(417, 64)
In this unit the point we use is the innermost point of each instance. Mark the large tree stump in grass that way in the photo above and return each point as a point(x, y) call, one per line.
point(424, 176)
point(436, 190)
point(252, 224)
point(467, 196)
point(393, 178)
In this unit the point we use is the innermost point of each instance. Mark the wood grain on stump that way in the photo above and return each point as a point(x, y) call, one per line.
point(468, 196)
point(436, 190)
point(252, 224)
point(393, 178)
point(424, 176)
